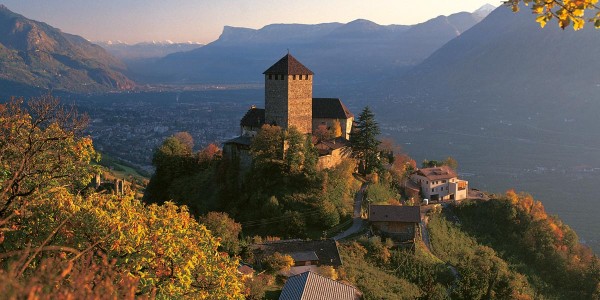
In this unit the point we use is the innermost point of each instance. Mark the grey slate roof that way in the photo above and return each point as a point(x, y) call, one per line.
point(288, 65)
point(326, 250)
point(240, 140)
point(312, 286)
point(330, 108)
point(394, 213)
point(304, 256)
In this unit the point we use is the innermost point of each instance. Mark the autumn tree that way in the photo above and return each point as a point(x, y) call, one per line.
point(278, 262)
point(364, 142)
point(566, 12)
point(41, 146)
point(225, 228)
point(185, 139)
point(162, 247)
point(322, 133)
point(336, 128)
point(209, 153)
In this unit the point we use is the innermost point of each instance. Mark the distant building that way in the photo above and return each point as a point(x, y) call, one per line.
point(440, 183)
point(401, 223)
point(307, 255)
point(312, 286)
point(289, 103)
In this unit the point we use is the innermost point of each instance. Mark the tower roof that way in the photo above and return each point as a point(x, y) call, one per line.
point(288, 65)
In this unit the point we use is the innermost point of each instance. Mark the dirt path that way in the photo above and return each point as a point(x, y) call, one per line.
point(425, 233)
point(357, 221)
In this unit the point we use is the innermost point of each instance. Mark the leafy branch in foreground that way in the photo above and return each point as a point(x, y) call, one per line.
point(566, 12)
point(41, 146)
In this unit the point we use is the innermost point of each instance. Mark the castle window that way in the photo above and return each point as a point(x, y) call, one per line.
point(270, 76)
point(294, 77)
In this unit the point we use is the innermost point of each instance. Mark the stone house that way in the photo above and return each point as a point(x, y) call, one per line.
point(307, 255)
point(440, 183)
point(289, 102)
point(401, 223)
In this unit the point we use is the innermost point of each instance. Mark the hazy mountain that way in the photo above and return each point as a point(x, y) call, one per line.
point(358, 51)
point(507, 60)
point(516, 104)
point(152, 49)
point(35, 54)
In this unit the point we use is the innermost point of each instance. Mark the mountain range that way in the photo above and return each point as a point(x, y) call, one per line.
point(145, 50)
point(509, 64)
point(355, 52)
point(35, 54)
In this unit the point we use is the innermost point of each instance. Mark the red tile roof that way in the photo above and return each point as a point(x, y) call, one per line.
point(437, 173)
point(288, 65)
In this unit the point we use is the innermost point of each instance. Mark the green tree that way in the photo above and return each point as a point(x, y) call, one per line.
point(364, 142)
point(172, 160)
point(295, 152)
point(267, 145)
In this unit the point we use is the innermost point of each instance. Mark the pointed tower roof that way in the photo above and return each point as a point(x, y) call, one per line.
point(288, 65)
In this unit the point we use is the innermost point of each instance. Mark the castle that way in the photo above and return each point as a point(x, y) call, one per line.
point(289, 103)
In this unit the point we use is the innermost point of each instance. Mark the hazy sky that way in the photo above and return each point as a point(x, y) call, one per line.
point(203, 20)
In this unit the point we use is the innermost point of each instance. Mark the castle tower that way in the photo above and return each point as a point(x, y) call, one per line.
point(288, 94)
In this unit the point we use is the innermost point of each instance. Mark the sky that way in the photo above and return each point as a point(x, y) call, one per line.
point(135, 21)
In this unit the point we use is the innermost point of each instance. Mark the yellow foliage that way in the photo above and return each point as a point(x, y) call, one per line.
point(566, 12)
point(328, 271)
point(163, 247)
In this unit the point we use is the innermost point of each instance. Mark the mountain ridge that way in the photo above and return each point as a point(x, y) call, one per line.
point(39, 55)
point(357, 51)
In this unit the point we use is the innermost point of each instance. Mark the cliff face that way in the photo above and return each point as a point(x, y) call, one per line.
point(36, 54)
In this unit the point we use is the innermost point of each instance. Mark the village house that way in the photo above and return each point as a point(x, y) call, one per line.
point(438, 184)
point(307, 255)
point(289, 103)
point(401, 223)
point(312, 286)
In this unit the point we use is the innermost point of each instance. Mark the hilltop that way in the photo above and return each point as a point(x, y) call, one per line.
point(37, 55)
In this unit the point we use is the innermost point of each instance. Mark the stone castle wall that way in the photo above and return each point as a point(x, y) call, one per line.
point(288, 101)
point(276, 108)
point(300, 102)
